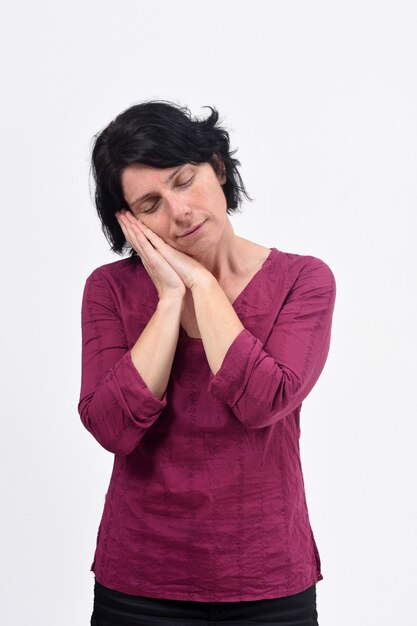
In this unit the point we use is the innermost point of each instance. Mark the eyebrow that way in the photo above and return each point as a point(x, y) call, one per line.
point(150, 194)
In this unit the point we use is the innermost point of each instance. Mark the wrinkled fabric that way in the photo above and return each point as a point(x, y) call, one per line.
point(206, 499)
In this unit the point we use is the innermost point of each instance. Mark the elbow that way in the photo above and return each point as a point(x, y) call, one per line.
point(122, 446)
point(266, 409)
point(121, 441)
point(260, 418)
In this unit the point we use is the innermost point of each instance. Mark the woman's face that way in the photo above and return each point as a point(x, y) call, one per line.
point(174, 200)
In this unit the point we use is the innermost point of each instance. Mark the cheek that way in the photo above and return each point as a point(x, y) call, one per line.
point(156, 224)
point(200, 195)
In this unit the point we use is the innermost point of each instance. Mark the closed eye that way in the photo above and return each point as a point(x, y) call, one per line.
point(186, 184)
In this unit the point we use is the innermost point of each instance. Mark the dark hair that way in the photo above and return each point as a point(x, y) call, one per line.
point(161, 134)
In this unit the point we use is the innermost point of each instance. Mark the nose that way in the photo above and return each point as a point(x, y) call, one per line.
point(177, 207)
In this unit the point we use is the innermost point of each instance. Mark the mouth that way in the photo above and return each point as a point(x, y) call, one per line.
point(195, 230)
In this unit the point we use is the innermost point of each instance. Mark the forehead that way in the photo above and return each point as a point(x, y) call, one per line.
point(138, 173)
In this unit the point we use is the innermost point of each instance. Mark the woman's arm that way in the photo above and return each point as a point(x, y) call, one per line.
point(263, 383)
point(154, 351)
point(216, 318)
point(123, 391)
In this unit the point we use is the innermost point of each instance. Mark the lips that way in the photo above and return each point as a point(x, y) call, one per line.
point(191, 230)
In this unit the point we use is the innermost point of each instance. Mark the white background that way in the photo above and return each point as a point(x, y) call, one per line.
point(320, 99)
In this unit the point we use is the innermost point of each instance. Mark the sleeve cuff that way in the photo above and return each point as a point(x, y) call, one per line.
point(140, 402)
point(229, 382)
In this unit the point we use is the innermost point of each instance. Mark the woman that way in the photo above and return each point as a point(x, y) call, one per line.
point(197, 353)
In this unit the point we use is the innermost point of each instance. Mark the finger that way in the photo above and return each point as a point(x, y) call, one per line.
point(149, 234)
point(140, 242)
point(130, 235)
point(138, 229)
point(144, 234)
point(133, 231)
point(155, 239)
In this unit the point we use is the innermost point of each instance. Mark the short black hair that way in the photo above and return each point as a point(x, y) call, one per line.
point(161, 134)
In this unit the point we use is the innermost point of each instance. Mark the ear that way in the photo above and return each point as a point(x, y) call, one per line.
point(220, 169)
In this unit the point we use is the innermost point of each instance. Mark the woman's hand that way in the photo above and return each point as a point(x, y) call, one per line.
point(171, 271)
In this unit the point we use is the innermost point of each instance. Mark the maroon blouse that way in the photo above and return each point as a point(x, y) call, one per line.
point(206, 499)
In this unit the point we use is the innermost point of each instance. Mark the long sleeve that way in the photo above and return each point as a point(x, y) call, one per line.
point(264, 383)
point(115, 404)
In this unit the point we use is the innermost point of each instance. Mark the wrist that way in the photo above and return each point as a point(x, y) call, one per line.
point(205, 281)
point(171, 302)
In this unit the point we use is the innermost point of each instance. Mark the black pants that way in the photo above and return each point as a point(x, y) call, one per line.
point(113, 608)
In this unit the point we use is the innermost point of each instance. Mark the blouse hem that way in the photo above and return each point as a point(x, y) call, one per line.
point(219, 597)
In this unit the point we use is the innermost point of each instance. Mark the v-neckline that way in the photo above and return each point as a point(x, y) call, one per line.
point(238, 298)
